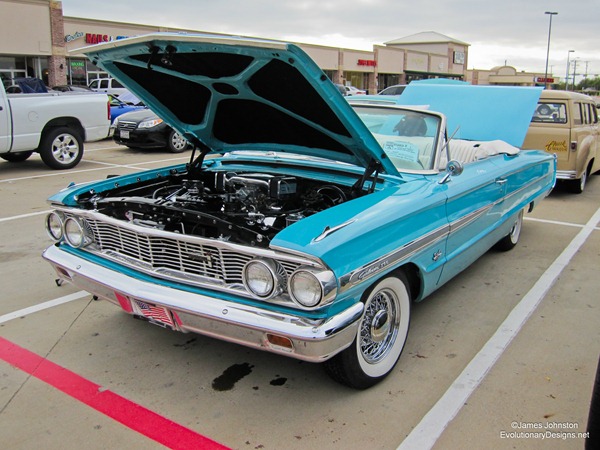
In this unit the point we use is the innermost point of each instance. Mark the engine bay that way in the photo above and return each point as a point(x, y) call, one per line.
point(242, 207)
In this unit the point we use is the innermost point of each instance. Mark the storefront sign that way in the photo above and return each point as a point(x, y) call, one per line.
point(77, 68)
point(72, 37)
point(92, 38)
point(367, 62)
point(99, 38)
point(544, 80)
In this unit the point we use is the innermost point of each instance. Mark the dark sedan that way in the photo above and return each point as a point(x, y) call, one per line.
point(144, 129)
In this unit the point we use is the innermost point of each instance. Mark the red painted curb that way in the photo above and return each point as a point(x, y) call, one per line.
point(130, 414)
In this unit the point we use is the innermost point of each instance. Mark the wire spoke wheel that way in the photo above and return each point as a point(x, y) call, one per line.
point(380, 338)
point(379, 327)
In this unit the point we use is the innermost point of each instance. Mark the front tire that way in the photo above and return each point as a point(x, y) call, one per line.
point(177, 143)
point(381, 336)
point(509, 241)
point(61, 148)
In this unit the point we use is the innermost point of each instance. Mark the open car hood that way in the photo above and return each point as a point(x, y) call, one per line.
point(227, 93)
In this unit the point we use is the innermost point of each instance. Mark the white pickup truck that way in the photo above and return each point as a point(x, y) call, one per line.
point(54, 125)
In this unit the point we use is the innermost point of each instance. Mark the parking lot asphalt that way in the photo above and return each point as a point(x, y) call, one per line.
point(502, 357)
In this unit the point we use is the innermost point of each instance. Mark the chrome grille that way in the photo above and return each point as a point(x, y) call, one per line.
point(124, 125)
point(172, 257)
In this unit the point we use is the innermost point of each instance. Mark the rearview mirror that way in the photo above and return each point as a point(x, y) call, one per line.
point(453, 169)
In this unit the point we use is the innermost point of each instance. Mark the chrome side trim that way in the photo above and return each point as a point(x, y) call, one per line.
point(398, 257)
point(392, 259)
point(471, 217)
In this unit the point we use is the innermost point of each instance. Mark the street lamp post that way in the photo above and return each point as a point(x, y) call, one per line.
point(551, 13)
point(567, 74)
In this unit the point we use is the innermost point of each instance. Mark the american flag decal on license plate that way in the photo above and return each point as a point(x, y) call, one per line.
point(157, 313)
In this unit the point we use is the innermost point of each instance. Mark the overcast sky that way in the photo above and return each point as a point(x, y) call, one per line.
point(499, 31)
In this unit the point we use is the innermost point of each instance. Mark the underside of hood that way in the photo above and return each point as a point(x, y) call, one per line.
point(225, 94)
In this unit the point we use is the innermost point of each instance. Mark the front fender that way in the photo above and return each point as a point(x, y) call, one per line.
point(379, 231)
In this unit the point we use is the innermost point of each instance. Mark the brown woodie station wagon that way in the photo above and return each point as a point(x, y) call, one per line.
point(566, 124)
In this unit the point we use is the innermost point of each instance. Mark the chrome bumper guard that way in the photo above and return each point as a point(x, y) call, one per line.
point(566, 175)
point(313, 340)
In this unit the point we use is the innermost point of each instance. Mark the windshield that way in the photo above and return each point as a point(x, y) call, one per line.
point(408, 138)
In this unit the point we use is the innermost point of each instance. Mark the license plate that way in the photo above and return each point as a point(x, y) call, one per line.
point(158, 315)
point(124, 134)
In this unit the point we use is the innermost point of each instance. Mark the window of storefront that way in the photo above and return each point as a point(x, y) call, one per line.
point(330, 74)
point(77, 74)
point(426, 76)
point(357, 79)
point(11, 68)
point(386, 80)
point(94, 72)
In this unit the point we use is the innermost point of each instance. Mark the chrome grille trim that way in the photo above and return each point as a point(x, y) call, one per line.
point(189, 259)
point(125, 125)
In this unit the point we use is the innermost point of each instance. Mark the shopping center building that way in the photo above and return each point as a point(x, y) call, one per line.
point(37, 40)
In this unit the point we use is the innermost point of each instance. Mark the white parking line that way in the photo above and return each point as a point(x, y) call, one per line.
point(554, 222)
point(433, 424)
point(42, 306)
point(23, 216)
point(136, 166)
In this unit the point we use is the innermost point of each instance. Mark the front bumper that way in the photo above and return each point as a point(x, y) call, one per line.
point(313, 340)
point(156, 137)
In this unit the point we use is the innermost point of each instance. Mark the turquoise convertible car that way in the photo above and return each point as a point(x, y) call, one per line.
point(302, 225)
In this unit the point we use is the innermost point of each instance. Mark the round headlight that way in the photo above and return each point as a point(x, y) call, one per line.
point(54, 226)
point(261, 278)
point(74, 233)
point(305, 288)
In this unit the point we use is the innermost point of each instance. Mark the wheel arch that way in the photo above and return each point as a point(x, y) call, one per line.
point(70, 122)
point(415, 281)
point(412, 275)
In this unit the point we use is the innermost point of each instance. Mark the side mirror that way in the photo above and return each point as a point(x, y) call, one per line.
point(453, 169)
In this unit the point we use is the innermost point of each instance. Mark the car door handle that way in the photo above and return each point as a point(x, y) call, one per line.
point(501, 181)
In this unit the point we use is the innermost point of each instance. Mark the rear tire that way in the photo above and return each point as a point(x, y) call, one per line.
point(509, 241)
point(61, 148)
point(380, 338)
point(16, 157)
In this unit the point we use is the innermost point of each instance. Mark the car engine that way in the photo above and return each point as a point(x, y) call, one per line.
point(245, 208)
